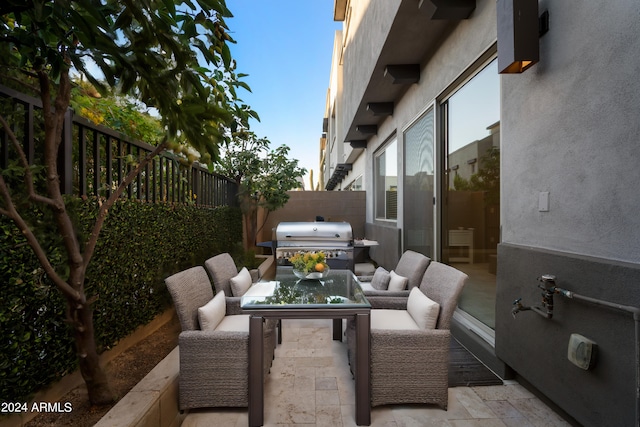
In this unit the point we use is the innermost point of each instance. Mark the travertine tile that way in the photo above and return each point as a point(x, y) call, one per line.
point(487, 422)
point(327, 398)
point(503, 409)
point(328, 416)
point(503, 392)
point(537, 413)
point(326, 383)
point(473, 403)
point(310, 384)
point(292, 408)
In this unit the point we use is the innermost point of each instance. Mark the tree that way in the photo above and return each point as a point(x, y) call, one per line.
point(263, 177)
point(157, 51)
point(487, 178)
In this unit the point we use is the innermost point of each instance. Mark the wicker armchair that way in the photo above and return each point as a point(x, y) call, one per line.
point(412, 366)
point(411, 265)
point(213, 364)
point(222, 268)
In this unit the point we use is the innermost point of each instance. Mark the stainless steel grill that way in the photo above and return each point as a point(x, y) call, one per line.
point(335, 239)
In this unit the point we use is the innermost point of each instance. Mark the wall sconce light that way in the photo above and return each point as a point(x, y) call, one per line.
point(518, 34)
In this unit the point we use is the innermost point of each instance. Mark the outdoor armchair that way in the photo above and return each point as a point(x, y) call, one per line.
point(410, 361)
point(214, 363)
point(411, 265)
point(222, 269)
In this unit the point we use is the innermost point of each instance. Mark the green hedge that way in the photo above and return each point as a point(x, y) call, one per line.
point(140, 244)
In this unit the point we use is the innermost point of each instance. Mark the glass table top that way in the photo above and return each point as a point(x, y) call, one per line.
point(340, 289)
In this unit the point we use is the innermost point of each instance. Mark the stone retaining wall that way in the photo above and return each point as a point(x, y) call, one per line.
point(153, 402)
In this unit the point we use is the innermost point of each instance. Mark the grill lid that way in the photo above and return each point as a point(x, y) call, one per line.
point(314, 233)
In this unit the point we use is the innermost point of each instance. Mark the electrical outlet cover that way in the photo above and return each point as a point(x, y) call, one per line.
point(582, 352)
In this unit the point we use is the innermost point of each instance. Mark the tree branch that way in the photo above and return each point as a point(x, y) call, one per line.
point(13, 214)
point(28, 176)
point(104, 208)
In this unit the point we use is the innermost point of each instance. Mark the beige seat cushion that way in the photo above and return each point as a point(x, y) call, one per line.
point(397, 282)
point(212, 313)
point(240, 283)
point(235, 323)
point(422, 309)
point(392, 319)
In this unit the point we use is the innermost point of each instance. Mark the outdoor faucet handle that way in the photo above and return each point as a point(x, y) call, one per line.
point(517, 305)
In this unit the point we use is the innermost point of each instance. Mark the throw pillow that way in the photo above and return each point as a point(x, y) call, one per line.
point(380, 280)
point(212, 313)
point(423, 309)
point(397, 282)
point(240, 283)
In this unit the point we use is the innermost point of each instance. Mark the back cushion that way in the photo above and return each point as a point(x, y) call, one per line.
point(380, 280)
point(212, 313)
point(240, 283)
point(423, 310)
point(397, 282)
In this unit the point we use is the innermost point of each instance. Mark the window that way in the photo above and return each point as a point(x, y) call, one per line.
point(386, 182)
point(355, 185)
point(418, 187)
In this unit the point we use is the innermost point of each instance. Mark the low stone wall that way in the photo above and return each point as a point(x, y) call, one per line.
point(152, 402)
point(57, 390)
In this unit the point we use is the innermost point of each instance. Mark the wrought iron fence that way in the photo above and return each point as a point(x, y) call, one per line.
point(94, 159)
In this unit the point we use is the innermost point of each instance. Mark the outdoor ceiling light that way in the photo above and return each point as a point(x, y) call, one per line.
point(518, 35)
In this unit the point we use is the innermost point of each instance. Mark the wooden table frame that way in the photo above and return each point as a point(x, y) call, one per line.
point(362, 317)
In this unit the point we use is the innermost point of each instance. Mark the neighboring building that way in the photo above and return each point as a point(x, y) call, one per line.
point(550, 156)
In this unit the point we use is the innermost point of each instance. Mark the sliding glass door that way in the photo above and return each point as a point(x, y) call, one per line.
point(471, 189)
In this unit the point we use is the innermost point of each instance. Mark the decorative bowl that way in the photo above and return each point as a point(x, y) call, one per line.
point(311, 274)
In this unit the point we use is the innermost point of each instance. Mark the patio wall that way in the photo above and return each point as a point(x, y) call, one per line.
point(336, 206)
point(570, 128)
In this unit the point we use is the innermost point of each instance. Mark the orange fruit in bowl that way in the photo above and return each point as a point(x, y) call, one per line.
point(319, 267)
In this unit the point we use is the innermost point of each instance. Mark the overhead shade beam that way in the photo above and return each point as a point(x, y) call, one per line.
point(453, 10)
point(403, 73)
point(380, 108)
point(339, 10)
point(358, 143)
point(367, 129)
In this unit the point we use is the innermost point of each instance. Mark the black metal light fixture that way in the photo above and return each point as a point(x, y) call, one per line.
point(518, 34)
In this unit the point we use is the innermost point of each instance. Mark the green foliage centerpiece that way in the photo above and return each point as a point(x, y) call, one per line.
point(310, 265)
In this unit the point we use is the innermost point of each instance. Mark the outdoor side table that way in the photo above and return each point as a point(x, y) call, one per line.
point(338, 296)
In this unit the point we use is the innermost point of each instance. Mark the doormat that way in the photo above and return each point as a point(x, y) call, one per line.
point(465, 370)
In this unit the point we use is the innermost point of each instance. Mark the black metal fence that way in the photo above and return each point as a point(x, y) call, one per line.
point(94, 159)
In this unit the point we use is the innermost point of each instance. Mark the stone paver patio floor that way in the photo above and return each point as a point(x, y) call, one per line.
point(310, 385)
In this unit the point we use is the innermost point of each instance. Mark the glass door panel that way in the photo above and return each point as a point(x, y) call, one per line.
point(471, 208)
point(418, 186)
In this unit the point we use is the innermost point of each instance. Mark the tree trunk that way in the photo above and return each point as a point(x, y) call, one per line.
point(250, 226)
point(94, 375)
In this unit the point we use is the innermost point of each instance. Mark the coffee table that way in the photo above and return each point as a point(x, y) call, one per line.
point(337, 296)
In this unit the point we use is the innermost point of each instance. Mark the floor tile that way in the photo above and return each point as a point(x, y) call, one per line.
point(310, 385)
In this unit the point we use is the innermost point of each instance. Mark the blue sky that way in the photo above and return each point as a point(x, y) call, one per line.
point(285, 46)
